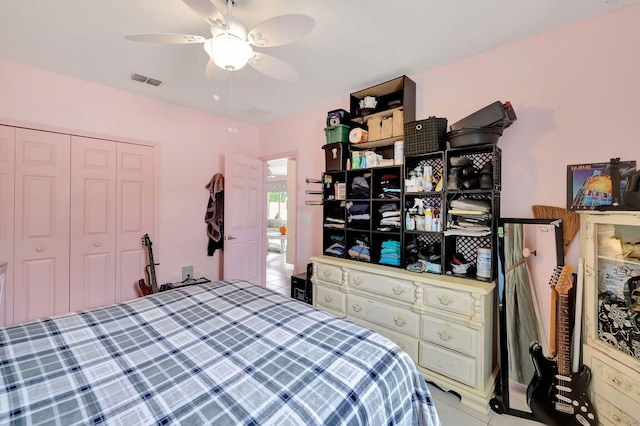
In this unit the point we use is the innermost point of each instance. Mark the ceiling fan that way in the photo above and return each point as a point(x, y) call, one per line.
point(231, 45)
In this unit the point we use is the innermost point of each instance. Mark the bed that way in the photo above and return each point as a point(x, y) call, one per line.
point(228, 352)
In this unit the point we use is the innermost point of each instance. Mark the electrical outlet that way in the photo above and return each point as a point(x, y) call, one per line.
point(187, 272)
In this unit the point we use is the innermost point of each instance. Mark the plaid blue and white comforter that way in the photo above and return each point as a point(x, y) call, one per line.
point(226, 353)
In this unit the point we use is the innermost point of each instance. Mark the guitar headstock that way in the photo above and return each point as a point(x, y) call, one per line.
point(562, 279)
point(146, 240)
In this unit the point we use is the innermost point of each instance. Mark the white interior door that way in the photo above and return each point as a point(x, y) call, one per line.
point(244, 219)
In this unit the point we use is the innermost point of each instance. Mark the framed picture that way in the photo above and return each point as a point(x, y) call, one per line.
point(597, 185)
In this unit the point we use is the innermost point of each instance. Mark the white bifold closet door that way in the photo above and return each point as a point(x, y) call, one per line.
point(93, 223)
point(74, 210)
point(111, 209)
point(41, 257)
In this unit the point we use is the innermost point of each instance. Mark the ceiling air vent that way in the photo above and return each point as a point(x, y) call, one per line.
point(145, 79)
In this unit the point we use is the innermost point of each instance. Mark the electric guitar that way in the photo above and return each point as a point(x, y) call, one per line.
point(555, 395)
point(151, 286)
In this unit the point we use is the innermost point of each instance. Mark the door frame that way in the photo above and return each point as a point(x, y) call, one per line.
point(292, 155)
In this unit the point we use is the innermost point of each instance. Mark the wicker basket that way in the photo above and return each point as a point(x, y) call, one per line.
point(424, 136)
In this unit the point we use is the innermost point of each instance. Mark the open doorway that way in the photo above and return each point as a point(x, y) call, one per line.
point(280, 230)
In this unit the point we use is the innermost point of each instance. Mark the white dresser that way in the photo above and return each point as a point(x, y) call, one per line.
point(444, 323)
point(610, 246)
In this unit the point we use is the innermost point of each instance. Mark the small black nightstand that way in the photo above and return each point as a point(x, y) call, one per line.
point(301, 285)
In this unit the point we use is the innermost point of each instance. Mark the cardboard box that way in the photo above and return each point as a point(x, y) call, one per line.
point(387, 128)
point(374, 126)
point(398, 123)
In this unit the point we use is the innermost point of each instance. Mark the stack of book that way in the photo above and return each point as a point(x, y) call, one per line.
point(469, 217)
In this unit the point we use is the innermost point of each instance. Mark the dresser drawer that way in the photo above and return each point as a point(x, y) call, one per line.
point(406, 343)
point(330, 298)
point(451, 364)
point(389, 316)
point(459, 302)
point(450, 335)
point(329, 273)
point(393, 288)
point(621, 378)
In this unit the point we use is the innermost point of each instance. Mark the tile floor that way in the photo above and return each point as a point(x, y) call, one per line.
point(279, 273)
point(450, 411)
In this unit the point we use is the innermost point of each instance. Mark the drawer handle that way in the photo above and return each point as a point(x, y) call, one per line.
point(39, 249)
point(397, 290)
point(328, 298)
point(96, 244)
point(357, 308)
point(326, 273)
point(357, 280)
point(445, 335)
point(445, 300)
point(399, 321)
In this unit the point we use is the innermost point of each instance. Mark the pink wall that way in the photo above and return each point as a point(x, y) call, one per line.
point(191, 149)
point(575, 91)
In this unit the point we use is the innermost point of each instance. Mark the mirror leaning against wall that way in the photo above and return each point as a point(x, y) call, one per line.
point(529, 252)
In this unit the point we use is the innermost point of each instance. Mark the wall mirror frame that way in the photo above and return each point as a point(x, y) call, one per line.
point(529, 250)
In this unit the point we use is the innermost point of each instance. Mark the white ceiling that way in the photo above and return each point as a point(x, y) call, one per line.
point(355, 44)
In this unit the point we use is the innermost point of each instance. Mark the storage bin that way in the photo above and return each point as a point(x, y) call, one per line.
point(336, 155)
point(337, 133)
point(338, 116)
point(496, 114)
point(424, 136)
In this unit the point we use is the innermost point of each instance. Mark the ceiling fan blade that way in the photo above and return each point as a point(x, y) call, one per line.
point(166, 38)
point(208, 11)
point(274, 67)
point(281, 30)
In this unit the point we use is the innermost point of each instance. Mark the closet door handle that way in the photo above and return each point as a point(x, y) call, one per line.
point(230, 237)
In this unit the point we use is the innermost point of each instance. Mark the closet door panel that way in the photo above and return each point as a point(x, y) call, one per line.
point(41, 272)
point(7, 170)
point(93, 223)
point(134, 215)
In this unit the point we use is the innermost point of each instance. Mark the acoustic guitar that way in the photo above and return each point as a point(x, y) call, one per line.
point(151, 286)
point(555, 395)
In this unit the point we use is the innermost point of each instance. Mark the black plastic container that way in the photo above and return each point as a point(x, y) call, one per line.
point(336, 155)
point(476, 136)
point(497, 114)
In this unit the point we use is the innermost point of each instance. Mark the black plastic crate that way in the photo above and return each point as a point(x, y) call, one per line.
point(424, 136)
point(422, 242)
point(418, 163)
point(467, 247)
point(479, 156)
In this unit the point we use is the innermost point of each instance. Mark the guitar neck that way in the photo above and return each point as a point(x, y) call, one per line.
point(564, 335)
point(152, 272)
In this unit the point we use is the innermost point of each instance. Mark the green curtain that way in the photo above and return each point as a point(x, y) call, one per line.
point(523, 325)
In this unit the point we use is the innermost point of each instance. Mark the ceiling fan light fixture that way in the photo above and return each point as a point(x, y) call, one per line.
point(228, 51)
